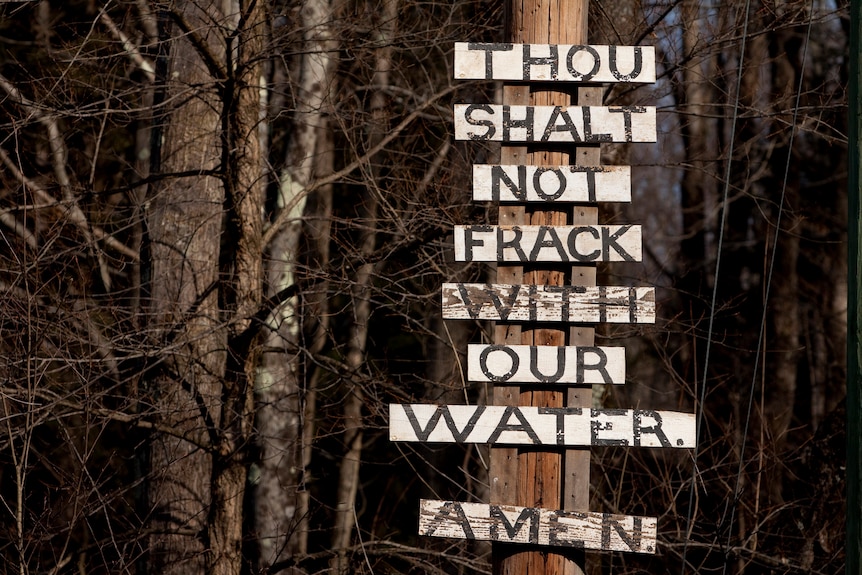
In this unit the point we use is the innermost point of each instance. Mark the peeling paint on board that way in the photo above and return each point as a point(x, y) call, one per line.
point(529, 525)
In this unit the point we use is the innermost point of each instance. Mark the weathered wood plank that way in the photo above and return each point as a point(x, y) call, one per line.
point(546, 364)
point(504, 464)
point(536, 526)
point(525, 425)
point(513, 183)
point(564, 124)
point(580, 244)
point(548, 303)
point(554, 63)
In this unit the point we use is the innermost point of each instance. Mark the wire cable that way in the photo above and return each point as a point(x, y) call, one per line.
point(724, 203)
point(772, 257)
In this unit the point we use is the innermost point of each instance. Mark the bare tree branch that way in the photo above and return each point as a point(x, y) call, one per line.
point(284, 216)
point(72, 209)
point(131, 50)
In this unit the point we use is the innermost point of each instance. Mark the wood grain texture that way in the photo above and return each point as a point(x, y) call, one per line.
point(530, 425)
point(503, 470)
point(555, 123)
point(540, 473)
point(548, 303)
point(554, 62)
point(576, 462)
point(576, 244)
point(546, 364)
point(515, 524)
point(550, 184)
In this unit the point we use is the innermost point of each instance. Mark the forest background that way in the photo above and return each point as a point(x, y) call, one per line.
point(223, 229)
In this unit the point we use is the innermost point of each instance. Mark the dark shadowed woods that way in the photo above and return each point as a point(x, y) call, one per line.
point(223, 230)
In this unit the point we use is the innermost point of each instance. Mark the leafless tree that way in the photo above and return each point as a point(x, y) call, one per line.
point(223, 229)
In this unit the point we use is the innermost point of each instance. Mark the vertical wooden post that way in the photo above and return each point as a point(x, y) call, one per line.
point(531, 477)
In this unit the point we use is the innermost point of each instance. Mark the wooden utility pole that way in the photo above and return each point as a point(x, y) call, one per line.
point(550, 479)
point(540, 494)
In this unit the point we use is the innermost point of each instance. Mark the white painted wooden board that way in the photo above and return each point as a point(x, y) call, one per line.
point(546, 364)
point(582, 244)
point(536, 526)
point(554, 62)
point(540, 303)
point(513, 183)
point(525, 425)
point(564, 124)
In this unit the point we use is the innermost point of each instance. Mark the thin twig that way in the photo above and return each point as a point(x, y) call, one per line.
point(285, 214)
point(73, 210)
point(131, 50)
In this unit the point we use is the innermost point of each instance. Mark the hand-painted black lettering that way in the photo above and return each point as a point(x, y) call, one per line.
point(459, 435)
point(573, 243)
point(568, 125)
point(514, 243)
point(489, 50)
point(533, 304)
point(528, 516)
point(552, 60)
point(627, 112)
point(503, 309)
point(600, 365)
point(558, 533)
point(487, 123)
point(577, 75)
point(554, 242)
point(565, 303)
point(545, 378)
point(596, 427)
point(611, 239)
point(591, 185)
point(513, 357)
point(632, 540)
point(638, 427)
point(449, 512)
point(523, 426)
point(588, 128)
point(603, 304)
point(560, 413)
point(474, 308)
point(498, 174)
point(509, 123)
point(633, 305)
point(422, 434)
point(470, 242)
point(614, 67)
point(537, 183)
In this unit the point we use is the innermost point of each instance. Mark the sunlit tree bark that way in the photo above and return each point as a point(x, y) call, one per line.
point(285, 395)
point(184, 222)
point(206, 280)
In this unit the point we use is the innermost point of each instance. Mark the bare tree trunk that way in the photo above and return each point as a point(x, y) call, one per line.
point(205, 290)
point(348, 481)
point(285, 407)
point(143, 152)
point(184, 222)
point(241, 279)
point(784, 299)
point(785, 324)
point(316, 314)
point(699, 182)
